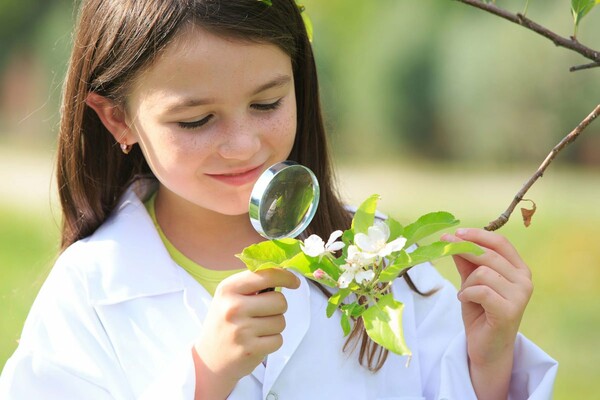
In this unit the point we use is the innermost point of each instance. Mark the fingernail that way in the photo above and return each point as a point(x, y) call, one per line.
point(448, 238)
point(461, 232)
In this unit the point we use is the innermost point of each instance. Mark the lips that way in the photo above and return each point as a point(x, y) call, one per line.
point(239, 177)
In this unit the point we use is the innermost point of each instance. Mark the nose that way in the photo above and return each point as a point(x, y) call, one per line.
point(240, 141)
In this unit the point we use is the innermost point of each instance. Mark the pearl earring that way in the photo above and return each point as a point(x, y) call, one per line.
point(125, 148)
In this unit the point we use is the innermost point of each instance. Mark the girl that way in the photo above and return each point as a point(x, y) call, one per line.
point(171, 110)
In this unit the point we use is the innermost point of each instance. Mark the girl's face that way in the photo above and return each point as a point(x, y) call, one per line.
point(210, 115)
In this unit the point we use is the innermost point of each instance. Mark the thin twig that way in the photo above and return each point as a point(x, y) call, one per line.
point(520, 19)
point(570, 138)
point(584, 66)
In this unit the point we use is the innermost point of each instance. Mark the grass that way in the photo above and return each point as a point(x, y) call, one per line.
point(28, 246)
point(561, 248)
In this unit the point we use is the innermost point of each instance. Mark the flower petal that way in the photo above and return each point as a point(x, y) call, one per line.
point(397, 244)
point(377, 234)
point(313, 246)
point(345, 279)
point(384, 228)
point(333, 237)
point(364, 242)
point(335, 246)
point(364, 276)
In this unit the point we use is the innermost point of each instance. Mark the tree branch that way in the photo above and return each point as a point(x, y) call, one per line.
point(520, 19)
point(584, 66)
point(570, 138)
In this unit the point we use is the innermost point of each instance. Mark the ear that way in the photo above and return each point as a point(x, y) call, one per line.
point(112, 116)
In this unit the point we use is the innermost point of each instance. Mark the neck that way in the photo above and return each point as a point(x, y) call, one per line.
point(208, 238)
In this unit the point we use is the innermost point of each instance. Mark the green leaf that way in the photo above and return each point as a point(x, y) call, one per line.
point(348, 238)
point(427, 225)
point(396, 228)
point(269, 254)
point(383, 323)
point(308, 25)
point(287, 253)
point(301, 263)
point(442, 249)
point(580, 8)
point(391, 272)
point(345, 321)
point(353, 310)
point(427, 253)
point(335, 300)
point(365, 215)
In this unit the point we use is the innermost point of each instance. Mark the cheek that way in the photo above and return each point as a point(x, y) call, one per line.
point(282, 129)
point(167, 150)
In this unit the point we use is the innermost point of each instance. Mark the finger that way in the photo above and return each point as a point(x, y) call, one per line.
point(467, 263)
point(493, 241)
point(485, 276)
point(268, 326)
point(485, 296)
point(250, 283)
point(268, 344)
point(266, 304)
point(464, 267)
point(490, 257)
point(497, 308)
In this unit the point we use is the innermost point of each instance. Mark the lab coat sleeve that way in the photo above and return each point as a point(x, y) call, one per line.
point(28, 375)
point(63, 352)
point(443, 349)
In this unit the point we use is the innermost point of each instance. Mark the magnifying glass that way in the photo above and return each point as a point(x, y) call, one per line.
point(284, 200)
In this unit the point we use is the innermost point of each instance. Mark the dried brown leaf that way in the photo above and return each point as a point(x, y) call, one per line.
point(528, 213)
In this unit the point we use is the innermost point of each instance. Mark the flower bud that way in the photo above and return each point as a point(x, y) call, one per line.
point(319, 274)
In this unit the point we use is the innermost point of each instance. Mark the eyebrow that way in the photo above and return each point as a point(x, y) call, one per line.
point(279, 81)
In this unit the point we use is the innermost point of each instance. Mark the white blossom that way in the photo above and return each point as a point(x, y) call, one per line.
point(357, 268)
point(314, 246)
point(356, 273)
point(375, 241)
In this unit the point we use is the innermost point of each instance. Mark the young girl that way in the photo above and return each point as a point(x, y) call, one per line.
point(171, 110)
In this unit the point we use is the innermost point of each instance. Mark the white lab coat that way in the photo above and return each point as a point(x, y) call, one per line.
point(116, 319)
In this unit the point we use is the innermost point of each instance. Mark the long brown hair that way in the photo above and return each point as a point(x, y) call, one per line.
point(117, 39)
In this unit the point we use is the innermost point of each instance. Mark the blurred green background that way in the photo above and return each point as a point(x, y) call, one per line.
point(432, 104)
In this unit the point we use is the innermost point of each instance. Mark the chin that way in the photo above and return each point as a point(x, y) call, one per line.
point(235, 212)
point(232, 209)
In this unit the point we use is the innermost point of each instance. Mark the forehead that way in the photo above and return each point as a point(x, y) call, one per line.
point(200, 63)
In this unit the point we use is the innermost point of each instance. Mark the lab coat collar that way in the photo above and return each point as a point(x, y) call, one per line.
point(130, 260)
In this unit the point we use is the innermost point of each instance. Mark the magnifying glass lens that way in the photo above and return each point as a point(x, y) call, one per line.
point(284, 200)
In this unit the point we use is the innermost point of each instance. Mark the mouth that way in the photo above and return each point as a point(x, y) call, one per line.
point(239, 177)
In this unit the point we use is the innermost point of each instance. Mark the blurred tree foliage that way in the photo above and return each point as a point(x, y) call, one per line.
point(400, 79)
point(19, 20)
point(440, 79)
point(35, 42)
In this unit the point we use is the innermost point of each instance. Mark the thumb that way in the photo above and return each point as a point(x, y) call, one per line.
point(464, 267)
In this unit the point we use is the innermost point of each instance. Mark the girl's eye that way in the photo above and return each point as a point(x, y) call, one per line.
point(267, 107)
point(195, 124)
